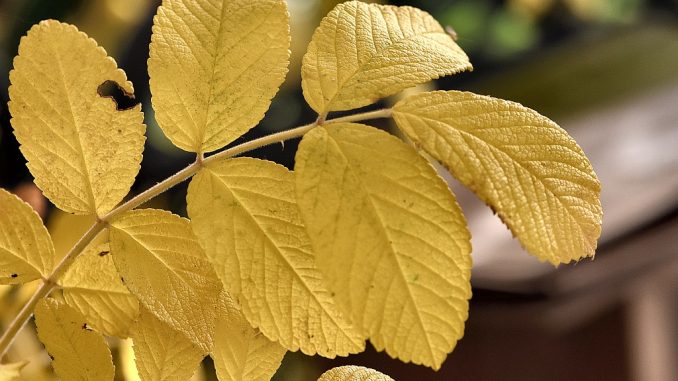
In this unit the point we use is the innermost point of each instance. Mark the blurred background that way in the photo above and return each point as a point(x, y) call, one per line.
point(605, 70)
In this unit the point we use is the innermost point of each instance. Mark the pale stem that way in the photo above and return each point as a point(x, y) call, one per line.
point(46, 287)
point(48, 284)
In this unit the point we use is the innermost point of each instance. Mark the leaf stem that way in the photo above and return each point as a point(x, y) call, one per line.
point(46, 287)
point(155, 190)
point(376, 114)
point(50, 283)
point(261, 142)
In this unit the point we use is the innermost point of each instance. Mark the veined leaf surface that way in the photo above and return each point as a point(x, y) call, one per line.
point(163, 265)
point(214, 67)
point(82, 151)
point(390, 239)
point(362, 52)
point(26, 250)
point(93, 287)
point(161, 352)
point(529, 170)
point(78, 352)
point(353, 373)
point(242, 353)
point(246, 216)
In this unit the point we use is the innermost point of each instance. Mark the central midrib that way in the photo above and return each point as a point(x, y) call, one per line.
point(81, 151)
point(391, 249)
point(215, 56)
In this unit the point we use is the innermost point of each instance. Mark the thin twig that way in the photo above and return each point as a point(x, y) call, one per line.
point(50, 283)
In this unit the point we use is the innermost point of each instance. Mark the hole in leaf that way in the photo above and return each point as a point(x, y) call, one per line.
point(122, 99)
point(14, 275)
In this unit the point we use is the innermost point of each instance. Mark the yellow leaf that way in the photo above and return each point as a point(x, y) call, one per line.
point(66, 230)
point(390, 239)
point(363, 52)
point(93, 287)
point(26, 250)
point(11, 372)
point(215, 66)
point(78, 352)
point(163, 265)
point(246, 217)
point(242, 353)
point(529, 170)
point(163, 353)
point(83, 153)
point(353, 373)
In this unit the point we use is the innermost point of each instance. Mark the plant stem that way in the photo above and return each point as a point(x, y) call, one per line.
point(293, 133)
point(261, 142)
point(46, 287)
point(155, 190)
point(48, 284)
point(376, 114)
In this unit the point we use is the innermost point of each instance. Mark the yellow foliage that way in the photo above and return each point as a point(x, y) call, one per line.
point(93, 287)
point(245, 213)
point(26, 250)
point(353, 373)
point(390, 239)
point(82, 151)
point(162, 264)
point(363, 241)
point(163, 353)
point(362, 52)
point(242, 353)
point(78, 352)
point(215, 66)
point(529, 170)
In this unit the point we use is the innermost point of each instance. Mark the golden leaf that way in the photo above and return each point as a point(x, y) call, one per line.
point(82, 151)
point(529, 170)
point(362, 52)
point(93, 287)
point(77, 351)
point(242, 353)
point(163, 353)
point(163, 265)
point(390, 239)
point(215, 66)
point(353, 373)
point(246, 217)
point(26, 250)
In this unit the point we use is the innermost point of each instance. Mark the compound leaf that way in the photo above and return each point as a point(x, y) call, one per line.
point(26, 250)
point(82, 151)
point(163, 265)
point(245, 214)
point(161, 352)
point(353, 373)
point(390, 239)
point(78, 352)
point(93, 287)
point(362, 52)
point(214, 67)
point(242, 353)
point(529, 170)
